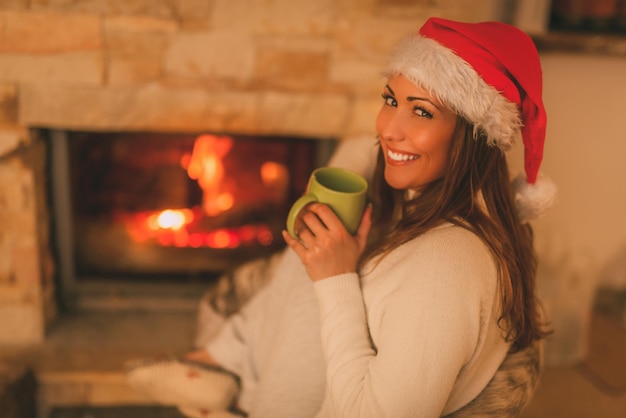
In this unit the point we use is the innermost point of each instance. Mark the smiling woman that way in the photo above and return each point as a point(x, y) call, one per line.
point(417, 312)
point(444, 285)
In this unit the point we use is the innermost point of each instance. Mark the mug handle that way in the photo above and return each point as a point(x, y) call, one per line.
point(295, 210)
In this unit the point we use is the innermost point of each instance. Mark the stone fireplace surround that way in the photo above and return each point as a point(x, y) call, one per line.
point(243, 66)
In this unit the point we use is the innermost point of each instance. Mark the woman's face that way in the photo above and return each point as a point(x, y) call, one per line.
point(415, 132)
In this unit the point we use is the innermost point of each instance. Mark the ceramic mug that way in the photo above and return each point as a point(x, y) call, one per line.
point(344, 191)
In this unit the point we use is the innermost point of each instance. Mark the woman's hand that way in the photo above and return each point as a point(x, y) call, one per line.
point(325, 247)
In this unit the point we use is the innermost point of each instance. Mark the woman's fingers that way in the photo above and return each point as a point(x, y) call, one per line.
point(296, 245)
point(324, 245)
point(321, 218)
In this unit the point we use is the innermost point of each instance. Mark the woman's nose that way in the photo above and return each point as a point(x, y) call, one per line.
point(390, 128)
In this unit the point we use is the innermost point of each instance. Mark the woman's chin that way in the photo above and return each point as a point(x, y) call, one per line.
point(397, 184)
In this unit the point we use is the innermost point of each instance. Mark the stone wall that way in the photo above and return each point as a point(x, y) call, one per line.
point(26, 269)
point(291, 67)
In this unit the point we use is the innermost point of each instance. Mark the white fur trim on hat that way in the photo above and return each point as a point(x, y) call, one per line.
point(532, 200)
point(456, 84)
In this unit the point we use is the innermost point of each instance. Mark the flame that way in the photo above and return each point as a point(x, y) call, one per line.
point(205, 166)
point(187, 227)
point(275, 178)
point(272, 172)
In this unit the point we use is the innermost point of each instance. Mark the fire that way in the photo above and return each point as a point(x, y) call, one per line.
point(275, 178)
point(187, 227)
point(272, 172)
point(205, 165)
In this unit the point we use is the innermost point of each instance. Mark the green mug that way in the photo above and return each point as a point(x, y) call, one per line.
point(344, 191)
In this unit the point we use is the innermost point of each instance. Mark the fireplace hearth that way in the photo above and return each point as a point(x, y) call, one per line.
point(143, 209)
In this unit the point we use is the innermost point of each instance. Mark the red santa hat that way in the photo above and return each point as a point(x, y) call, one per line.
point(490, 74)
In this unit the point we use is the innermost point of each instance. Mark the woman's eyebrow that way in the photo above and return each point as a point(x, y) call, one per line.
point(412, 98)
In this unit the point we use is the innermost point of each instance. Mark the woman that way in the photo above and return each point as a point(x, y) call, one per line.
point(414, 314)
point(417, 317)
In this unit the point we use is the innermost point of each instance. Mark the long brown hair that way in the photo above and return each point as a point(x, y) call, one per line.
point(475, 193)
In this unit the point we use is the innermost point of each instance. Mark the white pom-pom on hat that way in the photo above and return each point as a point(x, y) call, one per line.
point(532, 200)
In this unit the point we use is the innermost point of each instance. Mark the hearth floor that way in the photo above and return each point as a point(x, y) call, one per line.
point(81, 365)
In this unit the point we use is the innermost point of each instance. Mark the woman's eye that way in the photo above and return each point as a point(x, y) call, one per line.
point(389, 100)
point(420, 111)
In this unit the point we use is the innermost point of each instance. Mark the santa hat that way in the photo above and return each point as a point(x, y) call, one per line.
point(490, 74)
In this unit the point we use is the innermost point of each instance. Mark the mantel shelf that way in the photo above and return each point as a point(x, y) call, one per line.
point(582, 43)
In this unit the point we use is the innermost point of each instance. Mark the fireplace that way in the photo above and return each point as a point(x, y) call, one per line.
point(140, 211)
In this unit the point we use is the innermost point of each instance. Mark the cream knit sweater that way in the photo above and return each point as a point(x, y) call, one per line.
point(414, 336)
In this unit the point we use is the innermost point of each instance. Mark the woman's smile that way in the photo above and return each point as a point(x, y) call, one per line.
point(396, 157)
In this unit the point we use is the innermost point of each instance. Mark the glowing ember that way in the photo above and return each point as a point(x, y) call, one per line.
point(222, 239)
point(170, 219)
point(180, 228)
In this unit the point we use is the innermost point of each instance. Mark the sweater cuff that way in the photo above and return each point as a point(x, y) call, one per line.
point(337, 289)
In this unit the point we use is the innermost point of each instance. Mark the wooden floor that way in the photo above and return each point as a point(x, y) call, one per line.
point(596, 388)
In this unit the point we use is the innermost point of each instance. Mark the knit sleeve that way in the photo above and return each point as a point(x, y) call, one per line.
point(395, 348)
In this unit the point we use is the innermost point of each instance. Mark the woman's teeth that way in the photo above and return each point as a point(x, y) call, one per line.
point(396, 156)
